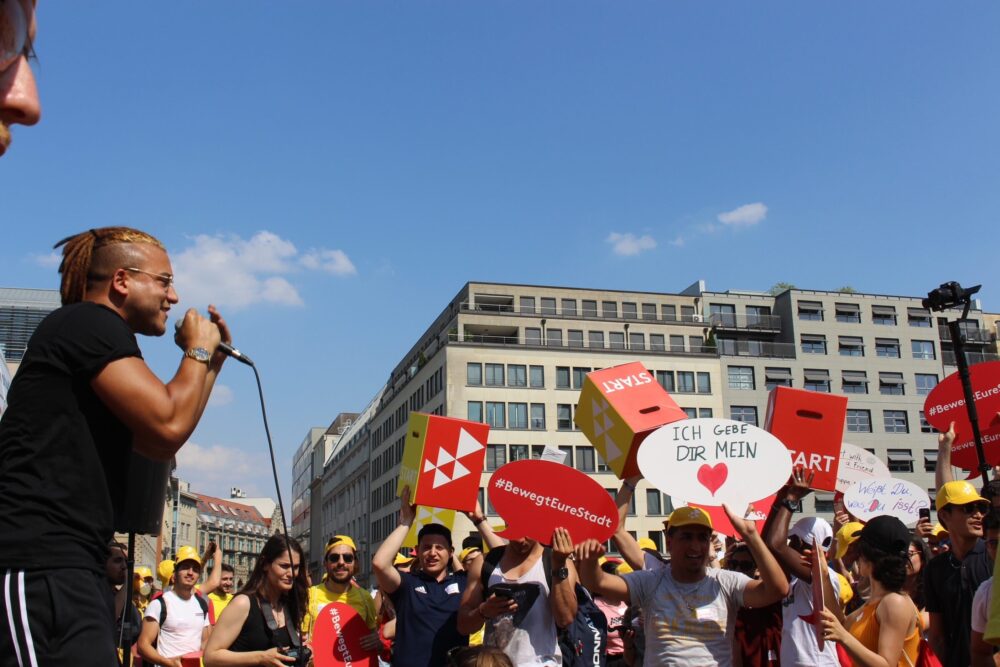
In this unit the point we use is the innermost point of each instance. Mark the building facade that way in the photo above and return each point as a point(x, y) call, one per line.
point(238, 528)
point(21, 310)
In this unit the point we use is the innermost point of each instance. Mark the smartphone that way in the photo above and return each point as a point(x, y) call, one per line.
point(503, 591)
point(924, 513)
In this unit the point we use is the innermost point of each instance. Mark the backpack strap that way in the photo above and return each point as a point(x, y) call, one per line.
point(490, 563)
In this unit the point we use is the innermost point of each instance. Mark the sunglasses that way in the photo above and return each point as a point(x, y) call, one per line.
point(347, 558)
point(14, 40)
point(971, 508)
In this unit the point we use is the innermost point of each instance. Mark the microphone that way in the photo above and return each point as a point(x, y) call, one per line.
point(226, 348)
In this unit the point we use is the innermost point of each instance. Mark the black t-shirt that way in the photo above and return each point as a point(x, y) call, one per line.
point(949, 585)
point(63, 456)
point(255, 635)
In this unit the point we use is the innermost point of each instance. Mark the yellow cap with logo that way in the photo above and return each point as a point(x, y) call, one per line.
point(340, 540)
point(957, 493)
point(187, 553)
point(689, 516)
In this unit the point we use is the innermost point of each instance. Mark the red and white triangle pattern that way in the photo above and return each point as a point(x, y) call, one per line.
point(602, 427)
point(448, 467)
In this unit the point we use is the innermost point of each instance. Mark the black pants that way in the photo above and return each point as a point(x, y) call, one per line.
point(56, 617)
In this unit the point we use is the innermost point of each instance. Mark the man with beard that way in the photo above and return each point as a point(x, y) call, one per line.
point(340, 562)
point(224, 594)
point(18, 94)
point(176, 623)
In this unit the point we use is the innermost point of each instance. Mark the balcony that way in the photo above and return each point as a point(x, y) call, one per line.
point(755, 348)
point(971, 336)
point(473, 338)
point(948, 357)
point(509, 308)
point(732, 321)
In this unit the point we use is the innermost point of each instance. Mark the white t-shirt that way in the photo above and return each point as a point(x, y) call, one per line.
point(688, 624)
point(652, 562)
point(529, 636)
point(798, 635)
point(981, 606)
point(181, 631)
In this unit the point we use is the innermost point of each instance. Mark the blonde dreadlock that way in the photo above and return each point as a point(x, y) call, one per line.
point(88, 255)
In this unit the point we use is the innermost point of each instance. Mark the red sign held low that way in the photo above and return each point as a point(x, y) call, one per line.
point(337, 634)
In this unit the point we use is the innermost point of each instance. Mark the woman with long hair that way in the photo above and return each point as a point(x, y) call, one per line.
point(277, 591)
point(885, 632)
point(918, 554)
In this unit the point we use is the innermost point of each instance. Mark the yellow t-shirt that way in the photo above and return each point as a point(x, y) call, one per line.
point(219, 602)
point(359, 598)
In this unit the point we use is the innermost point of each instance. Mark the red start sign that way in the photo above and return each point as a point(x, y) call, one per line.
point(811, 424)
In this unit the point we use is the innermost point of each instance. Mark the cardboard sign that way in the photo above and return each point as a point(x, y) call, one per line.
point(819, 573)
point(442, 461)
point(946, 402)
point(756, 512)
point(870, 498)
point(857, 464)
point(426, 515)
point(618, 408)
point(811, 424)
point(336, 640)
point(536, 497)
point(715, 461)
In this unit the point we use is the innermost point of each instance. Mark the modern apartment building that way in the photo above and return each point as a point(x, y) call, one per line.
point(514, 356)
point(21, 310)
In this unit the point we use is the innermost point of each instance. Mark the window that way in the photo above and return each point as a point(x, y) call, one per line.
point(494, 375)
point(816, 379)
point(855, 382)
point(666, 379)
point(629, 311)
point(705, 413)
point(930, 460)
point(589, 308)
point(743, 413)
point(922, 349)
point(475, 411)
point(536, 376)
point(596, 339)
point(887, 347)
point(653, 505)
point(759, 317)
point(562, 377)
point(495, 414)
point(685, 381)
point(637, 341)
point(813, 344)
point(617, 340)
point(564, 417)
point(890, 384)
point(657, 342)
point(568, 307)
point(496, 456)
point(537, 451)
point(676, 343)
point(474, 374)
point(649, 311)
point(518, 452)
point(574, 338)
point(585, 459)
point(517, 375)
point(918, 317)
point(899, 460)
point(532, 336)
point(704, 383)
point(695, 343)
point(538, 416)
point(692, 413)
point(777, 377)
point(579, 375)
point(851, 346)
point(895, 421)
point(925, 426)
point(885, 315)
point(568, 453)
point(548, 306)
point(925, 383)
point(810, 310)
point(517, 415)
point(609, 309)
point(859, 421)
point(848, 312)
point(669, 312)
point(741, 377)
point(528, 305)
point(687, 314)
point(723, 314)
point(553, 337)
point(823, 502)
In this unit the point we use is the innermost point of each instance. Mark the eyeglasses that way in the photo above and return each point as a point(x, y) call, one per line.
point(347, 558)
point(165, 279)
point(971, 508)
point(14, 39)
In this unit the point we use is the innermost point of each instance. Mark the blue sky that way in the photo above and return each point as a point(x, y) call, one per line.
point(330, 174)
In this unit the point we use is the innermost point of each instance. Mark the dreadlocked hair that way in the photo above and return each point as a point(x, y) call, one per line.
point(94, 255)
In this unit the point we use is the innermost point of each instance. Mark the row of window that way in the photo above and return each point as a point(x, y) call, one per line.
point(818, 379)
point(531, 416)
point(616, 340)
point(858, 421)
point(854, 346)
point(630, 310)
point(851, 313)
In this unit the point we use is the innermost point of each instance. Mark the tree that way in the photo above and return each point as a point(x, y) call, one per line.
point(778, 288)
point(847, 289)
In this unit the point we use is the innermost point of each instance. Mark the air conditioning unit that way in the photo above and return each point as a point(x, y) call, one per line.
point(696, 317)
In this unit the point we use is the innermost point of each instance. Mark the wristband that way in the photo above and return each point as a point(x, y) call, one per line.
point(476, 522)
point(629, 484)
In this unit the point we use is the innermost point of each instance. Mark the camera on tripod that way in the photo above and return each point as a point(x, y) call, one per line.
point(949, 295)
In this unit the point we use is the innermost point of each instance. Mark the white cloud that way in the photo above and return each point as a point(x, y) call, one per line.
point(332, 261)
point(629, 244)
point(744, 216)
point(214, 469)
point(678, 241)
point(221, 395)
point(49, 261)
point(234, 273)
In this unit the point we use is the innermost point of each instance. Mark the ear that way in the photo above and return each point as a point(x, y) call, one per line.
point(120, 282)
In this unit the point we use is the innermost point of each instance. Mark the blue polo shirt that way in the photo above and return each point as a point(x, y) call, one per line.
point(427, 619)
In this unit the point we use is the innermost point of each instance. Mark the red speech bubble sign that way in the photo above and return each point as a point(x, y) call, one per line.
point(963, 450)
point(337, 637)
point(536, 497)
point(946, 404)
point(756, 512)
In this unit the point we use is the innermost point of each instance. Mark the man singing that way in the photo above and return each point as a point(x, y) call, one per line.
point(81, 400)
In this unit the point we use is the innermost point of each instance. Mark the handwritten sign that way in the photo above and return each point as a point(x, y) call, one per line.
point(756, 512)
point(870, 498)
point(715, 461)
point(336, 640)
point(857, 464)
point(811, 424)
point(536, 497)
point(946, 402)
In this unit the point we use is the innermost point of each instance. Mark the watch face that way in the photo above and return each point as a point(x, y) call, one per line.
point(199, 354)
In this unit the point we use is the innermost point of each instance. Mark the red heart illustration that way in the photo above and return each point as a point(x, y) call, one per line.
point(713, 477)
point(874, 506)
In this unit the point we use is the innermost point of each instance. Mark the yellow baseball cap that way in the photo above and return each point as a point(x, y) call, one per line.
point(647, 543)
point(938, 530)
point(187, 553)
point(689, 516)
point(164, 571)
point(846, 592)
point(466, 552)
point(400, 559)
point(957, 493)
point(338, 540)
point(847, 536)
point(143, 572)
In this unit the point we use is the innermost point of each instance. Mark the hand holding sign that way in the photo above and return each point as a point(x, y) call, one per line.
point(715, 462)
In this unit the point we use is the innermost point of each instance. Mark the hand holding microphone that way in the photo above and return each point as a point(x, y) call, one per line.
point(210, 333)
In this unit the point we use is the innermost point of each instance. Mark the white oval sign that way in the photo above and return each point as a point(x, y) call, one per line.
point(714, 461)
point(857, 464)
point(869, 498)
